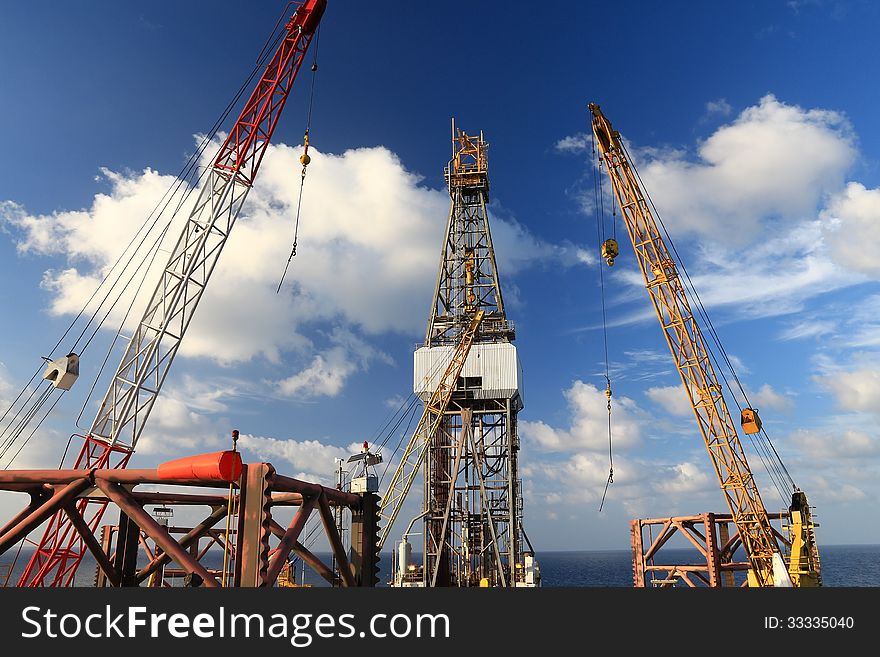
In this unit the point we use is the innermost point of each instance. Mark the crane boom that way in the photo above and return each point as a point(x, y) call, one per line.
point(685, 340)
point(127, 404)
point(432, 417)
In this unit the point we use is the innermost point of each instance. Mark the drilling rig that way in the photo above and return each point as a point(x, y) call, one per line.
point(704, 391)
point(467, 373)
point(127, 404)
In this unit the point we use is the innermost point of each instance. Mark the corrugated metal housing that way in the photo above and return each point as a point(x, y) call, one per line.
point(491, 370)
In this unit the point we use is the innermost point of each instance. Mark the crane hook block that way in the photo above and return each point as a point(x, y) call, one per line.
point(610, 251)
point(750, 421)
point(63, 371)
point(304, 159)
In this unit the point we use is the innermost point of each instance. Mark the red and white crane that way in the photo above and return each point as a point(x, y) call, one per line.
point(144, 367)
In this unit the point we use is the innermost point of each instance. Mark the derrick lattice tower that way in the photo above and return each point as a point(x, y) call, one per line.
point(472, 502)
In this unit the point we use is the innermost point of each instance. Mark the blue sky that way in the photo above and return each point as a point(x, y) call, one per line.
point(753, 125)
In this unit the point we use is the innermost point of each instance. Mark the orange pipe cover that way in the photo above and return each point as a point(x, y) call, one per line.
point(217, 466)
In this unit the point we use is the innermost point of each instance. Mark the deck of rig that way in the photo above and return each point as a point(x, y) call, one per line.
point(243, 503)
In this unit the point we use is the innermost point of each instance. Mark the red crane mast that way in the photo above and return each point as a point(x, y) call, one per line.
point(129, 400)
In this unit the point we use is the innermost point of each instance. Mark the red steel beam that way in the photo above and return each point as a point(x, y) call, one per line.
point(154, 530)
point(314, 562)
point(665, 535)
point(635, 530)
point(33, 520)
point(335, 541)
point(80, 525)
point(185, 541)
point(41, 476)
point(301, 551)
point(276, 561)
point(687, 530)
point(289, 484)
point(37, 498)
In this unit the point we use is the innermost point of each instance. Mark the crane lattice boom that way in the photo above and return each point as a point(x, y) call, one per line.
point(151, 350)
point(432, 417)
point(691, 357)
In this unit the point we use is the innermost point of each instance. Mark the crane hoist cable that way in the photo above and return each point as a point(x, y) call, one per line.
point(21, 418)
point(609, 252)
point(304, 159)
point(409, 415)
point(765, 449)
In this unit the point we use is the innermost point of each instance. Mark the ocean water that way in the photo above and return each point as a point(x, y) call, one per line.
point(842, 566)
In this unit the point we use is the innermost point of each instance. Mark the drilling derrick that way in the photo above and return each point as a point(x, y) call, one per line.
point(472, 506)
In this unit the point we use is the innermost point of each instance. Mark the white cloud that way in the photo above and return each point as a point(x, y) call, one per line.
point(671, 398)
point(328, 371)
point(589, 423)
point(576, 143)
point(769, 286)
point(863, 323)
point(718, 107)
point(638, 484)
point(395, 402)
point(774, 277)
point(845, 494)
point(312, 460)
point(832, 445)
point(773, 163)
point(187, 418)
point(641, 356)
point(856, 390)
point(685, 478)
point(767, 397)
point(811, 328)
point(369, 239)
point(754, 195)
point(851, 221)
point(6, 393)
point(23, 445)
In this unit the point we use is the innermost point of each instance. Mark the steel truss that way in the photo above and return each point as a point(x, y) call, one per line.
point(258, 545)
point(472, 506)
point(145, 364)
point(709, 534)
point(473, 524)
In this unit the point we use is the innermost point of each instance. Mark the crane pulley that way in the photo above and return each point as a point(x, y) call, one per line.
point(687, 345)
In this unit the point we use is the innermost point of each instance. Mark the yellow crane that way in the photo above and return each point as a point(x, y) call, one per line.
point(417, 448)
point(704, 391)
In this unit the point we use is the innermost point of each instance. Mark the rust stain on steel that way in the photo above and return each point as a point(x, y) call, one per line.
point(154, 530)
point(289, 540)
point(91, 542)
point(253, 527)
point(335, 541)
point(193, 535)
point(24, 526)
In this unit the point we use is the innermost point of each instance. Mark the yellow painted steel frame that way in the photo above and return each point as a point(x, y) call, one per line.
point(417, 448)
point(803, 568)
point(469, 164)
point(688, 349)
